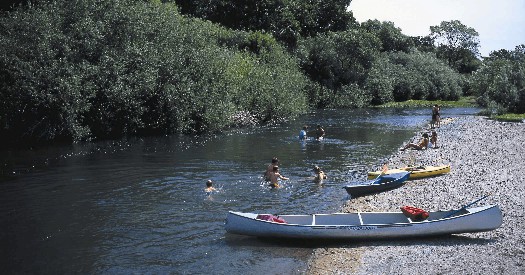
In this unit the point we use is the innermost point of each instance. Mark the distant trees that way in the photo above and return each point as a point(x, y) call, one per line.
point(500, 82)
point(287, 20)
point(457, 44)
point(392, 40)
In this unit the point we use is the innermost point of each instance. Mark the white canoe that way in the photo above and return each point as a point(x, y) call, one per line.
point(370, 225)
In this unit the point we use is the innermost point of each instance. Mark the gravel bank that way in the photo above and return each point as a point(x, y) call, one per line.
point(487, 157)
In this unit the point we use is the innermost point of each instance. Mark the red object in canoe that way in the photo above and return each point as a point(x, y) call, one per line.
point(271, 218)
point(414, 213)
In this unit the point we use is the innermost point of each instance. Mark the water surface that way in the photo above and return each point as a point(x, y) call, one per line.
point(138, 205)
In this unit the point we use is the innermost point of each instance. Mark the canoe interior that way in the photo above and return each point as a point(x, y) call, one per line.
point(360, 218)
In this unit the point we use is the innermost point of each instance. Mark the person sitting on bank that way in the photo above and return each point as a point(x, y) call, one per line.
point(319, 133)
point(433, 140)
point(302, 133)
point(275, 176)
point(423, 144)
point(269, 169)
point(319, 174)
point(209, 186)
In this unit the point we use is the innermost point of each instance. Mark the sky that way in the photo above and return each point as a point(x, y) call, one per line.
point(499, 23)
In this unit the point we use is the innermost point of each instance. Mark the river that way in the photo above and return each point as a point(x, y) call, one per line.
point(138, 205)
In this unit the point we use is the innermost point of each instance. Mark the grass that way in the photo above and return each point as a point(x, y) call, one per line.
point(468, 101)
point(510, 117)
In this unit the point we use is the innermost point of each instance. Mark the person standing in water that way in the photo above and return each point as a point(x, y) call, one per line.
point(275, 176)
point(319, 132)
point(302, 133)
point(269, 169)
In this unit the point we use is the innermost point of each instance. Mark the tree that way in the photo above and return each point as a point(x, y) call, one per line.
point(457, 44)
point(286, 20)
point(500, 83)
point(392, 39)
point(91, 70)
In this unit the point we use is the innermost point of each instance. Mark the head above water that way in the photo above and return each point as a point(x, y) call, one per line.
point(317, 168)
point(209, 183)
point(425, 135)
point(275, 160)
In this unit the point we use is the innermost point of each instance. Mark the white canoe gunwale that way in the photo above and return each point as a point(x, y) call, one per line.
point(478, 219)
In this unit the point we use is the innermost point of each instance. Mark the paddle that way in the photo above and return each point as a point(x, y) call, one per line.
point(465, 207)
point(383, 171)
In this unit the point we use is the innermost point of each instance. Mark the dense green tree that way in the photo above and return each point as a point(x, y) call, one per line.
point(423, 43)
point(500, 82)
point(338, 59)
point(391, 37)
point(457, 44)
point(401, 76)
point(125, 67)
point(286, 20)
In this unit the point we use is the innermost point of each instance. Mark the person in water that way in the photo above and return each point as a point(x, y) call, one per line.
point(302, 133)
point(433, 140)
point(275, 176)
point(209, 186)
point(423, 144)
point(319, 132)
point(319, 174)
point(269, 169)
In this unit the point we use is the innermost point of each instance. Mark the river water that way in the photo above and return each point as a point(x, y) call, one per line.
point(138, 205)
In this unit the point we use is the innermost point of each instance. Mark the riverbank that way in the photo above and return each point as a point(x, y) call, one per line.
point(486, 158)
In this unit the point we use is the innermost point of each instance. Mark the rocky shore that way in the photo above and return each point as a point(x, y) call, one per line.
point(486, 157)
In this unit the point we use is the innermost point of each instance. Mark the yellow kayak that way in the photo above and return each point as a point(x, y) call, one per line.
point(416, 172)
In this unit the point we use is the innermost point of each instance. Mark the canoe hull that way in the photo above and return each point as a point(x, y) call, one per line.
point(356, 225)
point(381, 184)
point(428, 171)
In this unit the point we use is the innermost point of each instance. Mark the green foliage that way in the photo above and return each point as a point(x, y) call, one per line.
point(402, 76)
point(338, 59)
point(466, 102)
point(510, 117)
point(457, 44)
point(83, 71)
point(391, 38)
point(286, 20)
point(500, 83)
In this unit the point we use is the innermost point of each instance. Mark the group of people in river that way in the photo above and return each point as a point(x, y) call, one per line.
point(319, 133)
point(272, 174)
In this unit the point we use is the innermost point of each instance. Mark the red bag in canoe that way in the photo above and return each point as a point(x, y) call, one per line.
point(414, 213)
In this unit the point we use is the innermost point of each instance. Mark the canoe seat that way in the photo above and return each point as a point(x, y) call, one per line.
point(338, 219)
point(383, 218)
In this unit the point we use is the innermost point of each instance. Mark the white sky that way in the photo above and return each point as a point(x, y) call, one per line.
point(499, 23)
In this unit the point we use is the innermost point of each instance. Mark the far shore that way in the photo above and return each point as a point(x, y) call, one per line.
point(486, 157)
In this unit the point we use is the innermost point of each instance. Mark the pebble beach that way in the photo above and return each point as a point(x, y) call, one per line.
point(487, 158)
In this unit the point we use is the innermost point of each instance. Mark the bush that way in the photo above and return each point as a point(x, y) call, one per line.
point(115, 68)
point(500, 83)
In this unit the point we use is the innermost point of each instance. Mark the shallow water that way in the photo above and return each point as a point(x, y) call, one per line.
point(138, 206)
